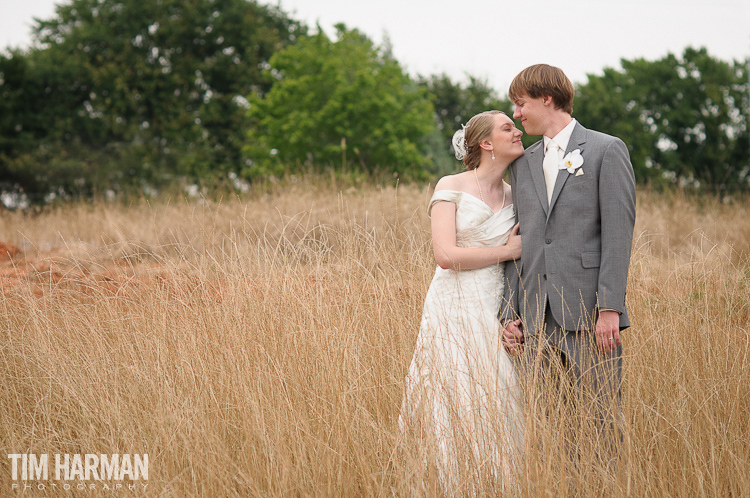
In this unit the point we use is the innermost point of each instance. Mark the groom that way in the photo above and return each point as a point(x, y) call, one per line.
point(574, 193)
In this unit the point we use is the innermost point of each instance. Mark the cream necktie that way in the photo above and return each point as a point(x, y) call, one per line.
point(550, 165)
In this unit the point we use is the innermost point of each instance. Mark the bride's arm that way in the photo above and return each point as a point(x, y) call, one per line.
point(450, 256)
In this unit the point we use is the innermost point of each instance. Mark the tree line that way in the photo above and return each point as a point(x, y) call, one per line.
point(121, 95)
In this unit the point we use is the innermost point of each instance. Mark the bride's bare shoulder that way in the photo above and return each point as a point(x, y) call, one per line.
point(452, 182)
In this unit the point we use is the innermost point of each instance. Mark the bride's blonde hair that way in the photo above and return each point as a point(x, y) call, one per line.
point(477, 129)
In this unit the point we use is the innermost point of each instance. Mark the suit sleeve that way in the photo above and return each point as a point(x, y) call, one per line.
point(617, 208)
point(509, 305)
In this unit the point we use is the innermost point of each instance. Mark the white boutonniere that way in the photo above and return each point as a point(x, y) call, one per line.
point(572, 161)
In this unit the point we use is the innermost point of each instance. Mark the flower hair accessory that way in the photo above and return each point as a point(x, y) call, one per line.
point(459, 143)
point(572, 161)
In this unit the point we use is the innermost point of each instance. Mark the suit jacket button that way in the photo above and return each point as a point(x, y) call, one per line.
point(548, 241)
point(544, 276)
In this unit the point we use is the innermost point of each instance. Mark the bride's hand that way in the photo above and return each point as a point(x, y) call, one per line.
point(514, 243)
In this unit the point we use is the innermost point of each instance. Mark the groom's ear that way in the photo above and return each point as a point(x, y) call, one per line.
point(548, 100)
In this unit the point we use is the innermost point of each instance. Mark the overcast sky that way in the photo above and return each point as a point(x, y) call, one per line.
point(495, 39)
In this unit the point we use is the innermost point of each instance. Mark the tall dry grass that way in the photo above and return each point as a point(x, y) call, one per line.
point(258, 347)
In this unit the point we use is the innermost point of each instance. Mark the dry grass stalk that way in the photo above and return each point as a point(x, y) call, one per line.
point(258, 347)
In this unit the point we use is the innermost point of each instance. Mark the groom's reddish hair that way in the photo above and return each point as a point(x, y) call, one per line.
point(541, 80)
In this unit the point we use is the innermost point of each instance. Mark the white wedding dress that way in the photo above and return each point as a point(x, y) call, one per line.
point(461, 397)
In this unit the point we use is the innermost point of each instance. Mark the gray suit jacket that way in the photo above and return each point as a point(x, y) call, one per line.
point(576, 252)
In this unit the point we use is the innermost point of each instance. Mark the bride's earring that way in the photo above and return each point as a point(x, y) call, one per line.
point(493, 154)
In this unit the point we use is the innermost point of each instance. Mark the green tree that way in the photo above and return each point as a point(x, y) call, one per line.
point(456, 104)
point(338, 101)
point(684, 118)
point(140, 90)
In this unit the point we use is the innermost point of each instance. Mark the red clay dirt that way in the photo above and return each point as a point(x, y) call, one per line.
point(46, 274)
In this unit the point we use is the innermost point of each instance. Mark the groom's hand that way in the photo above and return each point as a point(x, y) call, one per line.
point(608, 331)
point(513, 337)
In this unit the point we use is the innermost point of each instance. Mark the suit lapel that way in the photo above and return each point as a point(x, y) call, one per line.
point(536, 157)
point(577, 139)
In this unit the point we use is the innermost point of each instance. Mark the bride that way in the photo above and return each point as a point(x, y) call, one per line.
point(462, 401)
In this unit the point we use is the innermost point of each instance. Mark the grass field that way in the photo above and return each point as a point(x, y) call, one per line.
point(258, 346)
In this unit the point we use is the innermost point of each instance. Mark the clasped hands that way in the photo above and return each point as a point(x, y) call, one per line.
point(607, 333)
point(513, 337)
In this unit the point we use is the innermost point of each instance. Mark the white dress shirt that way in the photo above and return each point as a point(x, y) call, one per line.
point(562, 138)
